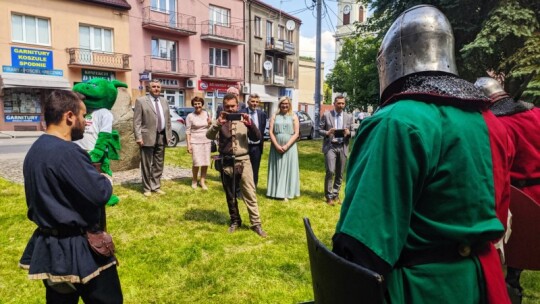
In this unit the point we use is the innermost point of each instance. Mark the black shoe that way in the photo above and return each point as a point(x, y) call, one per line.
point(233, 227)
point(258, 230)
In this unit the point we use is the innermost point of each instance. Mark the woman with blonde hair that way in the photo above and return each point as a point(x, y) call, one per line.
point(283, 169)
point(198, 145)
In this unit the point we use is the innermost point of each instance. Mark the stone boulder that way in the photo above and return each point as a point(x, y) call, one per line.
point(130, 157)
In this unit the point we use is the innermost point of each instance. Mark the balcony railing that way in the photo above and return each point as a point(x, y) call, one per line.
point(183, 67)
point(281, 46)
point(228, 73)
point(232, 34)
point(169, 21)
point(278, 81)
point(111, 61)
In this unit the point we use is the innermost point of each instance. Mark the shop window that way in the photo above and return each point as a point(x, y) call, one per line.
point(30, 29)
point(22, 101)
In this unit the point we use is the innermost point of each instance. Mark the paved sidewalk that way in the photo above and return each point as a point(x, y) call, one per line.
point(20, 134)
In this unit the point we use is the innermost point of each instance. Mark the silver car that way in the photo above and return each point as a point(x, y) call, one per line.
point(178, 129)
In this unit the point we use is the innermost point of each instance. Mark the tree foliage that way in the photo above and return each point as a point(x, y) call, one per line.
point(355, 72)
point(501, 38)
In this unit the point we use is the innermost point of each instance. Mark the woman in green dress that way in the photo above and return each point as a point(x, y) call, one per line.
point(283, 170)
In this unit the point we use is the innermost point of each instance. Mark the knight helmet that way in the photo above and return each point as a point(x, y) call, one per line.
point(491, 88)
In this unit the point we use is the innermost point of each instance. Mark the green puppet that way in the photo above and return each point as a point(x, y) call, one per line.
point(100, 140)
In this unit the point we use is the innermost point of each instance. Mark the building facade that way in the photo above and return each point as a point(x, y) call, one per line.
point(195, 48)
point(306, 84)
point(272, 54)
point(54, 44)
point(349, 13)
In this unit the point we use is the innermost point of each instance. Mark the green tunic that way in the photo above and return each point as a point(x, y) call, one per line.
point(419, 177)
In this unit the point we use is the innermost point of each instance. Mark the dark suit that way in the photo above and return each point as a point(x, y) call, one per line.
point(335, 153)
point(256, 150)
point(154, 142)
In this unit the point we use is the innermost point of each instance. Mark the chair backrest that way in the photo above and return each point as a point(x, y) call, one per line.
point(338, 281)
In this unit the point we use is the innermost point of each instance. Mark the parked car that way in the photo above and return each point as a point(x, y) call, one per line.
point(307, 126)
point(184, 111)
point(178, 129)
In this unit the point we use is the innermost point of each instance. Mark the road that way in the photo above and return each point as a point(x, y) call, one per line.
point(15, 148)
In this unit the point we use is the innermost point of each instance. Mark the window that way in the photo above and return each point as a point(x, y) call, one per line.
point(290, 70)
point(280, 69)
point(95, 38)
point(258, 27)
point(268, 73)
point(219, 16)
point(219, 57)
point(257, 64)
point(290, 36)
point(164, 5)
point(162, 48)
point(269, 30)
point(346, 18)
point(29, 29)
point(281, 32)
point(361, 14)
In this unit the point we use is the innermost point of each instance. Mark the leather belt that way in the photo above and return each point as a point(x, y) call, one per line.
point(442, 254)
point(61, 232)
point(522, 183)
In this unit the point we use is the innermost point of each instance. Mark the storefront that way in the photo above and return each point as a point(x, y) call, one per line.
point(24, 86)
point(214, 91)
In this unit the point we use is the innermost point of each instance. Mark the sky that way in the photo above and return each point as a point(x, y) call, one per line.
point(308, 29)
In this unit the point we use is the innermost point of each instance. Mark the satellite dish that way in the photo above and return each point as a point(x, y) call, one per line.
point(290, 25)
point(267, 65)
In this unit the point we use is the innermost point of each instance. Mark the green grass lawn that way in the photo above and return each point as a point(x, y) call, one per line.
point(175, 248)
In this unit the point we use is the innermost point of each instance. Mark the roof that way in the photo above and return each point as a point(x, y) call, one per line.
point(120, 4)
point(259, 2)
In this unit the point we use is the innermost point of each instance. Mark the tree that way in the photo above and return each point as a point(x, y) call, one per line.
point(355, 72)
point(327, 94)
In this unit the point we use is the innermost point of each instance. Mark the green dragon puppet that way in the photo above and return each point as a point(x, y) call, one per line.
point(100, 140)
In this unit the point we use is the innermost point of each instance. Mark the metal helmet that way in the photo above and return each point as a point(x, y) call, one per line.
point(420, 40)
point(489, 86)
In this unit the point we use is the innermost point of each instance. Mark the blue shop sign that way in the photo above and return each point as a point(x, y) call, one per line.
point(22, 118)
point(31, 58)
point(10, 69)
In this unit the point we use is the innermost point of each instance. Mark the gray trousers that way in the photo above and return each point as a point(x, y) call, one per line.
point(152, 159)
point(334, 160)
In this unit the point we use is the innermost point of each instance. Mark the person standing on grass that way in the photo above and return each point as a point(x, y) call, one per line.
point(64, 194)
point(256, 147)
point(283, 167)
point(152, 130)
point(428, 178)
point(198, 145)
point(335, 147)
point(236, 170)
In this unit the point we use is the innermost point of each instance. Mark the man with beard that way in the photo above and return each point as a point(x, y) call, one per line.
point(64, 194)
point(428, 175)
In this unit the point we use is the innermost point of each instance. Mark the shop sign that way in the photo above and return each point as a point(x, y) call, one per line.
point(145, 76)
point(31, 58)
point(165, 82)
point(204, 85)
point(22, 118)
point(10, 69)
point(90, 74)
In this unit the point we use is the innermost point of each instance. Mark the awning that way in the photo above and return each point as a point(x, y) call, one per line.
point(19, 80)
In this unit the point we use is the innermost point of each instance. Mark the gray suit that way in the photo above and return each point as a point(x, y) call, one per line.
point(154, 142)
point(335, 153)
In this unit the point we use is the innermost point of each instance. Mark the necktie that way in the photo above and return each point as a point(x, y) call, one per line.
point(158, 113)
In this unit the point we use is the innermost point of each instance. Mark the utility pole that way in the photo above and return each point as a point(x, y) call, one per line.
point(318, 70)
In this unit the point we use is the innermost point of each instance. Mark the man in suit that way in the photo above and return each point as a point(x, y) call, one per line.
point(152, 128)
point(335, 147)
point(255, 147)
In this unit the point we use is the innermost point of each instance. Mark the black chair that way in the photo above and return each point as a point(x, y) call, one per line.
point(338, 281)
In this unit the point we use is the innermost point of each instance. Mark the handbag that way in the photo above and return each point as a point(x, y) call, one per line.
point(100, 242)
point(218, 164)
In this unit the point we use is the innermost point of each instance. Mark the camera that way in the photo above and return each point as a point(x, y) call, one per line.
point(339, 133)
point(234, 116)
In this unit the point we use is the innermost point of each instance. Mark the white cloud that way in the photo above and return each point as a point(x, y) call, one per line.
point(328, 48)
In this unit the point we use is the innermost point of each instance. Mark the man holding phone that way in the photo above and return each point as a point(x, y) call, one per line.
point(335, 127)
point(234, 130)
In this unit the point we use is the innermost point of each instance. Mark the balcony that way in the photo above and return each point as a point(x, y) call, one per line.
point(233, 35)
point(231, 73)
point(167, 21)
point(279, 46)
point(172, 67)
point(279, 81)
point(84, 58)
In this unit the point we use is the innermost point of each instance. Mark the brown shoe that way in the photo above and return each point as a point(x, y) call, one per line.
point(233, 227)
point(330, 202)
point(337, 200)
point(259, 231)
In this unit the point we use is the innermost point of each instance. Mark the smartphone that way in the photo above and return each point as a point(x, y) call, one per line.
point(234, 116)
point(339, 133)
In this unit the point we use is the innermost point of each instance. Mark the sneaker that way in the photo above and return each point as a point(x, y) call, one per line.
point(259, 231)
point(159, 191)
point(233, 227)
point(147, 193)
